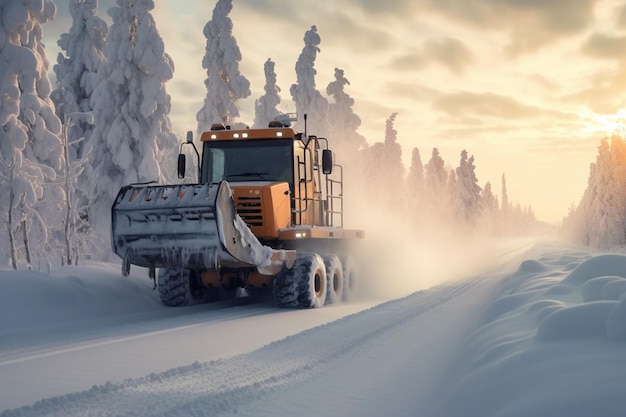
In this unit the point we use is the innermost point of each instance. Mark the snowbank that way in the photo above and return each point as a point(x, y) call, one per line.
point(553, 343)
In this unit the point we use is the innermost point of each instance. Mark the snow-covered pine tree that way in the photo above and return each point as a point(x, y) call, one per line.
point(265, 108)
point(304, 93)
point(436, 179)
point(468, 190)
point(415, 184)
point(343, 123)
point(30, 147)
point(577, 226)
point(394, 167)
point(600, 219)
point(76, 70)
point(450, 211)
point(505, 206)
point(615, 207)
point(224, 83)
point(131, 108)
point(489, 211)
point(383, 170)
point(76, 73)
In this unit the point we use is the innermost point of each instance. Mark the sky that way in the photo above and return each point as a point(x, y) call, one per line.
point(537, 330)
point(527, 87)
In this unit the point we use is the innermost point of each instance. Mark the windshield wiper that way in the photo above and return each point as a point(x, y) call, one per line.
point(261, 175)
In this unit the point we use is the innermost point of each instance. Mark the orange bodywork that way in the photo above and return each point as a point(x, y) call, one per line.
point(264, 208)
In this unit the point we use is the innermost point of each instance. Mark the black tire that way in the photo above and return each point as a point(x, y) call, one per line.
point(334, 278)
point(349, 268)
point(304, 285)
point(183, 287)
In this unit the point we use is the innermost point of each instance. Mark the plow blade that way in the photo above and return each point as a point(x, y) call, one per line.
point(187, 226)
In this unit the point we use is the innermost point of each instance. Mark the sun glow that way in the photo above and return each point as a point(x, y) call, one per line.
point(608, 124)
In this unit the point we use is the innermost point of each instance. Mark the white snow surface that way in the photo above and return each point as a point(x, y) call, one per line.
point(536, 329)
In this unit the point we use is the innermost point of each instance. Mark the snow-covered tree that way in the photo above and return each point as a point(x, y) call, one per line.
point(436, 178)
point(505, 206)
point(394, 168)
point(265, 108)
point(224, 83)
point(305, 95)
point(76, 69)
point(342, 120)
point(600, 218)
point(489, 210)
point(450, 210)
point(131, 107)
point(30, 146)
point(76, 73)
point(384, 170)
point(415, 183)
point(468, 190)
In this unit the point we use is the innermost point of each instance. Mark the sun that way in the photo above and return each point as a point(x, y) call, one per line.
point(607, 124)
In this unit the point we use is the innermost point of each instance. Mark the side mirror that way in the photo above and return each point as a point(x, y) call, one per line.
point(327, 161)
point(182, 163)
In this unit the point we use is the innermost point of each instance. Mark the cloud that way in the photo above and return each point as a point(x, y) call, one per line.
point(605, 46)
point(529, 25)
point(544, 82)
point(344, 31)
point(448, 52)
point(602, 92)
point(342, 24)
point(411, 91)
point(556, 16)
point(621, 17)
point(465, 104)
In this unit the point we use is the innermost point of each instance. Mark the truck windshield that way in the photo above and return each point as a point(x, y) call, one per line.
point(247, 160)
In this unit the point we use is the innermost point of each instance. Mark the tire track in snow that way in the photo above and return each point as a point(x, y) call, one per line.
point(221, 386)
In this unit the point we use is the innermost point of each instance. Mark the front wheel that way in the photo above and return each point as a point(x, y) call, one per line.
point(182, 287)
point(304, 285)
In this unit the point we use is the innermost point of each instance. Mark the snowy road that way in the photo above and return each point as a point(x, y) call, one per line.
point(408, 338)
point(49, 363)
point(362, 358)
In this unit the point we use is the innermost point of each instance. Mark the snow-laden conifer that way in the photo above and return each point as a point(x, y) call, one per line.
point(265, 108)
point(415, 183)
point(304, 93)
point(76, 70)
point(383, 169)
point(343, 122)
point(468, 190)
point(131, 107)
point(225, 85)
point(30, 147)
point(600, 220)
point(83, 49)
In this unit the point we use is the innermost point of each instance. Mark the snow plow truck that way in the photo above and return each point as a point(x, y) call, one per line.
point(265, 215)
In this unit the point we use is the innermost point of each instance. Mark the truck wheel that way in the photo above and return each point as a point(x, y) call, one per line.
point(349, 277)
point(304, 285)
point(334, 275)
point(181, 288)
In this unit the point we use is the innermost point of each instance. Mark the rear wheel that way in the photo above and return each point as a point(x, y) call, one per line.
point(349, 269)
point(335, 281)
point(182, 287)
point(304, 285)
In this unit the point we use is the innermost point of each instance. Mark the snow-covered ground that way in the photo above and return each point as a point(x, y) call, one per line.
point(534, 328)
